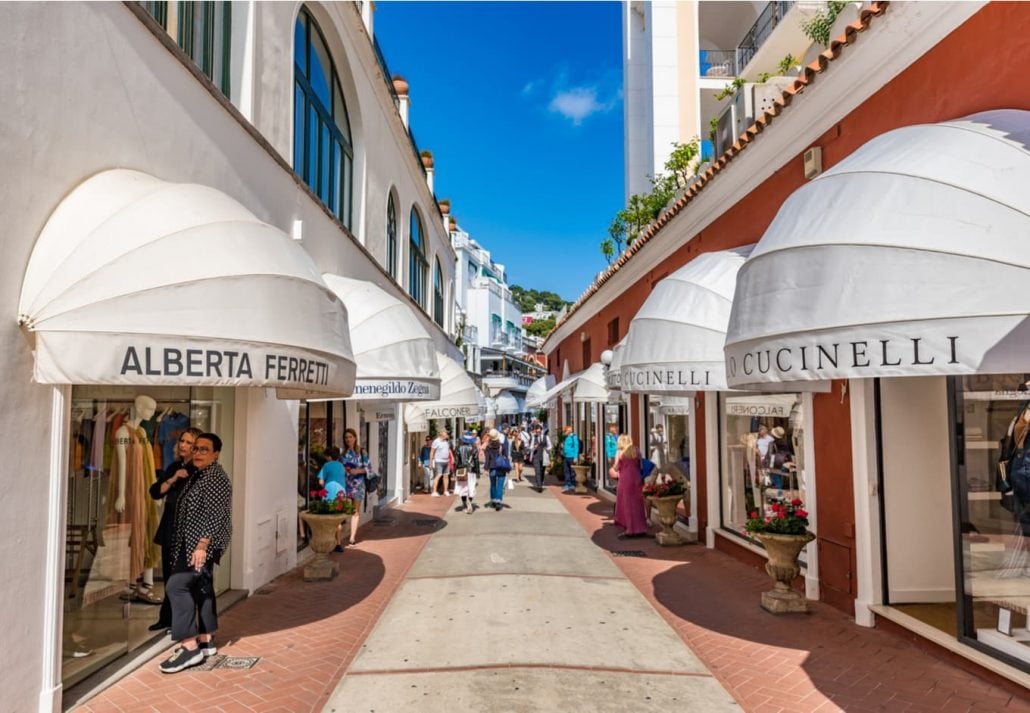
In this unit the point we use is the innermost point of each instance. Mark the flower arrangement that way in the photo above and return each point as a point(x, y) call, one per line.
point(784, 518)
point(340, 505)
point(663, 485)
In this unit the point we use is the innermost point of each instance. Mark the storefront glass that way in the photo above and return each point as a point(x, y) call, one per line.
point(994, 512)
point(677, 434)
point(614, 415)
point(320, 425)
point(113, 461)
point(762, 457)
point(586, 429)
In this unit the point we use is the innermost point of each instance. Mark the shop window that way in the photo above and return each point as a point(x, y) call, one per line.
point(391, 237)
point(323, 154)
point(438, 313)
point(762, 442)
point(106, 613)
point(586, 353)
point(418, 266)
point(992, 418)
point(473, 272)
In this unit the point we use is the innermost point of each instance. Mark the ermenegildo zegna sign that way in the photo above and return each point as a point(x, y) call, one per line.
point(395, 389)
point(103, 359)
point(801, 359)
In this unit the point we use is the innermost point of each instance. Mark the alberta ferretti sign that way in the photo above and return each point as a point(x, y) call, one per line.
point(101, 359)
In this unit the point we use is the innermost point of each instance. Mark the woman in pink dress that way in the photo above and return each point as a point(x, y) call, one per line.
point(630, 512)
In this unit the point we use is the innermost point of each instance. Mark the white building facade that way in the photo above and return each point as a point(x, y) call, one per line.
point(279, 115)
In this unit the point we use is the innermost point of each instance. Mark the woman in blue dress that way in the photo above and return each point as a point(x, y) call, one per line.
point(355, 465)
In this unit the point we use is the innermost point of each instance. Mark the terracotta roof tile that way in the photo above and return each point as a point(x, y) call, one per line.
point(808, 75)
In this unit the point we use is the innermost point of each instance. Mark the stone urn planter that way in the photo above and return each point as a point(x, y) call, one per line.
point(323, 541)
point(666, 506)
point(582, 475)
point(783, 567)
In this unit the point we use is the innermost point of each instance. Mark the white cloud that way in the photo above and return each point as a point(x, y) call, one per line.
point(529, 88)
point(577, 103)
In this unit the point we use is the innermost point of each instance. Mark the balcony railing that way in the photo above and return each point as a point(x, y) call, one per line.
point(767, 21)
point(718, 63)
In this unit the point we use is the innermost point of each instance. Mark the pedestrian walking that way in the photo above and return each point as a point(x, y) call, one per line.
point(630, 509)
point(540, 448)
point(203, 528)
point(356, 467)
point(427, 464)
point(466, 470)
point(168, 487)
point(498, 465)
point(570, 451)
point(518, 453)
point(441, 458)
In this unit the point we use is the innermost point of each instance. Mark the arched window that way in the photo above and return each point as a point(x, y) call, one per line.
point(323, 154)
point(438, 293)
point(391, 237)
point(417, 265)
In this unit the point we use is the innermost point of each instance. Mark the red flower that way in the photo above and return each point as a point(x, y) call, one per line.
point(796, 501)
point(768, 519)
point(801, 513)
point(754, 513)
point(780, 515)
point(322, 493)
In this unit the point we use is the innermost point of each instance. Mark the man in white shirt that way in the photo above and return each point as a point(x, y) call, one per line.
point(440, 456)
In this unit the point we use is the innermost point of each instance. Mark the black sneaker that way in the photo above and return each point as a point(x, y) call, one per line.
point(208, 648)
point(182, 658)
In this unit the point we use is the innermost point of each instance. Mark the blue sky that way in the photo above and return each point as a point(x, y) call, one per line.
point(521, 105)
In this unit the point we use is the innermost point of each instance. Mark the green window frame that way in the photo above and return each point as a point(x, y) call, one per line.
point(204, 33)
point(323, 153)
point(438, 315)
point(418, 266)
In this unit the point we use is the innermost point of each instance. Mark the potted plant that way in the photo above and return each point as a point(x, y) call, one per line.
point(427, 158)
point(783, 531)
point(323, 517)
point(664, 490)
point(400, 85)
point(581, 467)
point(445, 206)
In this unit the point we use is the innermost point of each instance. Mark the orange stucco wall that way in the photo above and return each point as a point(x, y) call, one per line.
point(980, 66)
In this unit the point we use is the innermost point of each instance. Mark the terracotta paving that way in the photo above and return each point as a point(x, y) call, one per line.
point(306, 634)
point(794, 663)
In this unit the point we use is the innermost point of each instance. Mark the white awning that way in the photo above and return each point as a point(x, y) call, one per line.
point(675, 342)
point(415, 419)
point(459, 395)
point(552, 394)
point(613, 377)
point(762, 405)
point(395, 354)
point(507, 404)
point(590, 385)
point(134, 280)
point(909, 257)
point(675, 405)
point(537, 390)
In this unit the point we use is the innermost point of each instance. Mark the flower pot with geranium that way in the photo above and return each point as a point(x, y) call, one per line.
point(664, 489)
point(783, 531)
point(324, 516)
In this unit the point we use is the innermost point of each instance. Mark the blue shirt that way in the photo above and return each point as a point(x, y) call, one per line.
point(332, 472)
point(611, 445)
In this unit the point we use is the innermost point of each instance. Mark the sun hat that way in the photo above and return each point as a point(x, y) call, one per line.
point(778, 432)
point(494, 435)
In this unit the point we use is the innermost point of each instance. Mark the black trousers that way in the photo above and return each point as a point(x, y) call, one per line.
point(192, 598)
point(538, 473)
point(165, 617)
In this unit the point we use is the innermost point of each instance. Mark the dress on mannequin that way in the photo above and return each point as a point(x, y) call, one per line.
point(129, 494)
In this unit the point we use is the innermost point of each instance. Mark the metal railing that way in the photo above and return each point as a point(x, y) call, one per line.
point(767, 21)
point(718, 63)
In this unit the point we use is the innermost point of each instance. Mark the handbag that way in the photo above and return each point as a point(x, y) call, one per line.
point(502, 463)
point(461, 474)
point(646, 467)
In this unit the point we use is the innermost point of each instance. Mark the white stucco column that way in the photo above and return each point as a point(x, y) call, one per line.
point(868, 571)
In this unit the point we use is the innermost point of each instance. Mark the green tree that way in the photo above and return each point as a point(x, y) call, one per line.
point(540, 327)
point(608, 249)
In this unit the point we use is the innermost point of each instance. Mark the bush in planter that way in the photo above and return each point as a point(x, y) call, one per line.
point(784, 518)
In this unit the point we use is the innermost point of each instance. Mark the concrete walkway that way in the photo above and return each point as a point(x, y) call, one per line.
point(520, 611)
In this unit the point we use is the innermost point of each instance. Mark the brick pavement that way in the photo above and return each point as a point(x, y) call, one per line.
point(787, 664)
point(306, 634)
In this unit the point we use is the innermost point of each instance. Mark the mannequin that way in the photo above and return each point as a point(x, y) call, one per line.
point(135, 473)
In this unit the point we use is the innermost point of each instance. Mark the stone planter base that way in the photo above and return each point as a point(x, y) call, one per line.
point(783, 551)
point(582, 474)
point(323, 541)
point(667, 517)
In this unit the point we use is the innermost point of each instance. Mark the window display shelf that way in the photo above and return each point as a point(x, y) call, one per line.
point(984, 495)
